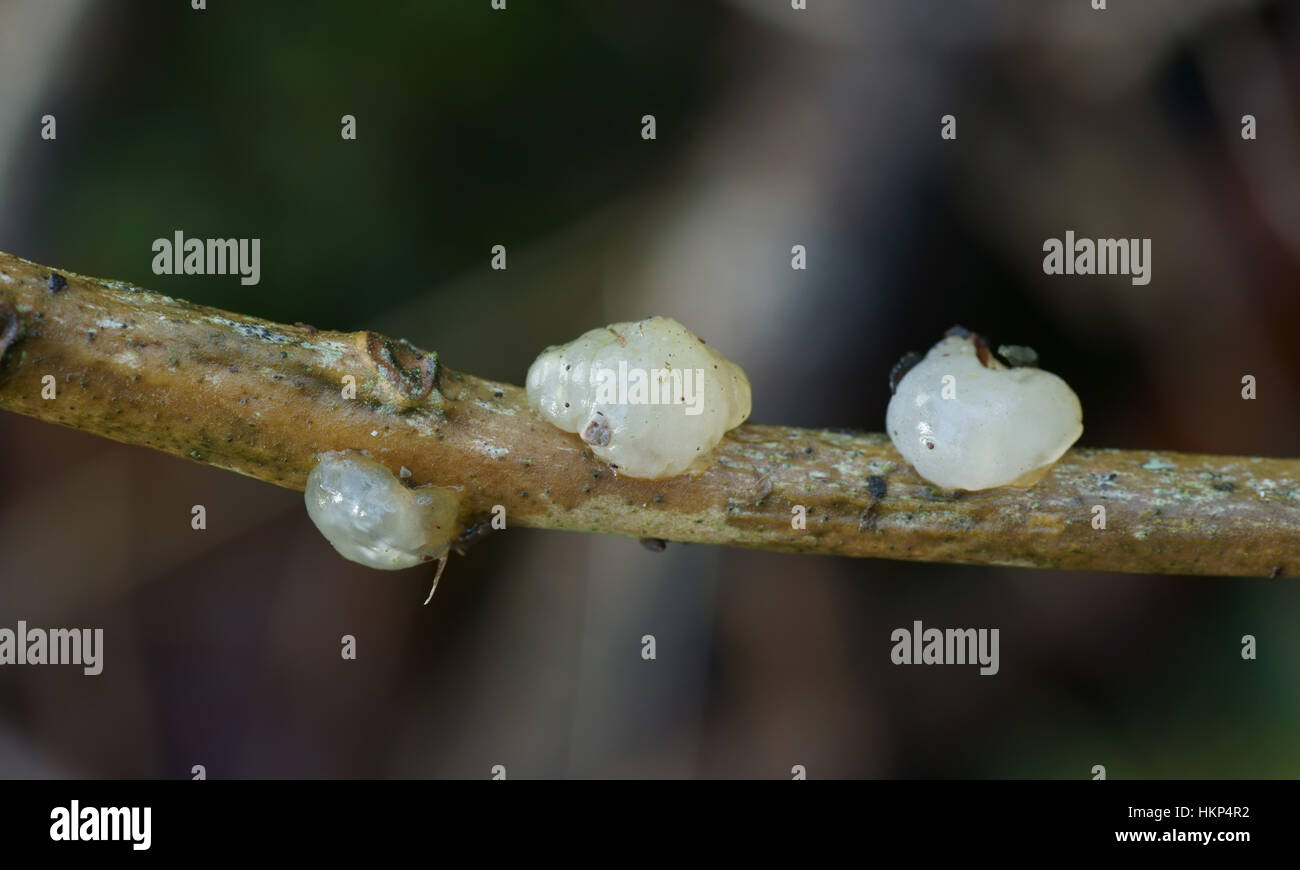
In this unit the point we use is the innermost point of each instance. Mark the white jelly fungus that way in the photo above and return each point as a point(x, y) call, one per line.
point(649, 397)
point(966, 421)
point(370, 517)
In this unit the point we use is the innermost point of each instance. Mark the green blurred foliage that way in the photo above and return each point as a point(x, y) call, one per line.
point(474, 128)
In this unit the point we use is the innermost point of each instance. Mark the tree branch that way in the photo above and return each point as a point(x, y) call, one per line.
point(262, 398)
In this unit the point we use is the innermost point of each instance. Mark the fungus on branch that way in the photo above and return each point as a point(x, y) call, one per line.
point(966, 421)
point(650, 397)
point(264, 399)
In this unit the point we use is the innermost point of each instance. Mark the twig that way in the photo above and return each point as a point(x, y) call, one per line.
point(262, 398)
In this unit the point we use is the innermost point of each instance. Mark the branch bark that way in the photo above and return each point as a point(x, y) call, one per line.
point(263, 398)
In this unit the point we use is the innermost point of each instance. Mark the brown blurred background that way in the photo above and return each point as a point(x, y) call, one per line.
point(775, 128)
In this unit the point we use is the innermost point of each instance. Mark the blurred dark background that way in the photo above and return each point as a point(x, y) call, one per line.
point(775, 128)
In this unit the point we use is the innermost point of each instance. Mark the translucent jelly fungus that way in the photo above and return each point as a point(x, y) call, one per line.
point(372, 518)
point(964, 420)
point(649, 397)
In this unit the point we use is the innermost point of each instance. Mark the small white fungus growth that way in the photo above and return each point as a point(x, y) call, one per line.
point(649, 397)
point(371, 518)
point(987, 425)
